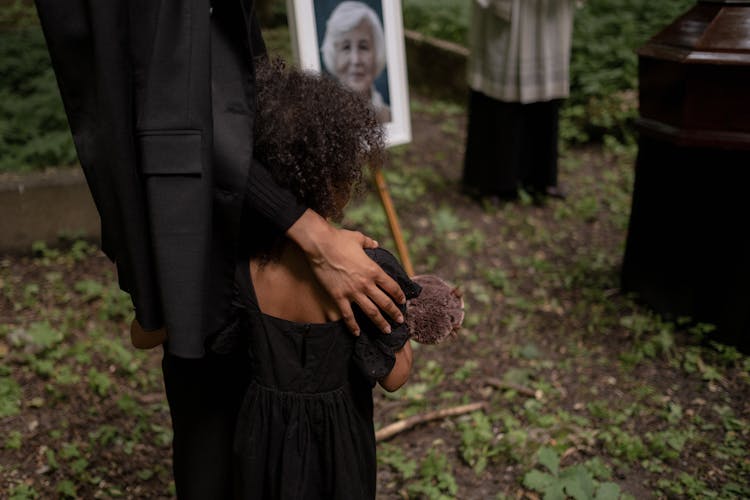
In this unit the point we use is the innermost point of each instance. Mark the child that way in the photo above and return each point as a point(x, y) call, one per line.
point(305, 430)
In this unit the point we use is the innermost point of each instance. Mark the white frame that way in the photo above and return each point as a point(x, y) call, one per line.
point(306, 43)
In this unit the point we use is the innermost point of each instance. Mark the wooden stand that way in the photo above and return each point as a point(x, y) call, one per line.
point(390, 212)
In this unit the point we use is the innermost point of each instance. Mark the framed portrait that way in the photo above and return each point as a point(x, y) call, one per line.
point(360, 43)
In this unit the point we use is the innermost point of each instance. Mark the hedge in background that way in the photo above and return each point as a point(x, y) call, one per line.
point(603, 100)
point(33, 128)
point(444, 19)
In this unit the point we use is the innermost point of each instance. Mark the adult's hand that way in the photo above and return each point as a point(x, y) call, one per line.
point(346, 272)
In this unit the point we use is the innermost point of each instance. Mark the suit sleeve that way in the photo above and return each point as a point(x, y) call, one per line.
point(263, 195)
point(90, 53)
point(275, 203)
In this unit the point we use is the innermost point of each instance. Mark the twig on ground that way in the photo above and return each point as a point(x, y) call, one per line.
point(570, 451)
point(526, 391)
point(151, 398)
point(391, 430)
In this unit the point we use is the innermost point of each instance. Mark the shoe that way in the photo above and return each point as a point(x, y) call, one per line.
point(482, 198)
point(545, 192)
point(555, 192)
point(471, 192)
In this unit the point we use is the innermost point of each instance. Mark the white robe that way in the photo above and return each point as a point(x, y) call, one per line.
point(520, 49)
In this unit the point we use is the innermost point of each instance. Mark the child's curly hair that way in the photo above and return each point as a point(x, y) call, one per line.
point(314, 135)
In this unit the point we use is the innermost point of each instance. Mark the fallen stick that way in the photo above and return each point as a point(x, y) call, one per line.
point(391, 430)
point(570, 451)
point(501, 384)
point(151, 398)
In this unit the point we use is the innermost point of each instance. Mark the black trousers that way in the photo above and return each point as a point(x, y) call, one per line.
point(510, 145)
point(204, 398)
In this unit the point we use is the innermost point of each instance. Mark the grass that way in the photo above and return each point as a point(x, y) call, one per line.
point(599, 398)
point(602, 398)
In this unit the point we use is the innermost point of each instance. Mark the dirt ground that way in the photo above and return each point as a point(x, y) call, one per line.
point(624, 403)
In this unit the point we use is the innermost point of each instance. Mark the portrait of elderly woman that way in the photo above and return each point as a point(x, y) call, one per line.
point(353, 51)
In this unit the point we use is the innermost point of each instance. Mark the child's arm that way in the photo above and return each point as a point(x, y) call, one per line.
point(401, 369)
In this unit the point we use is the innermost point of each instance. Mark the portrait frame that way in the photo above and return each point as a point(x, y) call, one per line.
point(305, 17)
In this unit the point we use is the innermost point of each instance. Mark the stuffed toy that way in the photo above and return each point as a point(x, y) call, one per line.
point(437, 313)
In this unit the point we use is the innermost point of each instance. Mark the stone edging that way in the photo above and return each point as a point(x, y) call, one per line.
point(437, 68)
point(42, 206)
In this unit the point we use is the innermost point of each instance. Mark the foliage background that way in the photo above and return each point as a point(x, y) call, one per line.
point(589, 395)
point(604, 65)
point(604, 72)
point(33, 128)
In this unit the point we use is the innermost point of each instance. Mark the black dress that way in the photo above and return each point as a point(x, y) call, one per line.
point(305, 429)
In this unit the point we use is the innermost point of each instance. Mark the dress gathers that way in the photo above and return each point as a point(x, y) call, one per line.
point(305, 429)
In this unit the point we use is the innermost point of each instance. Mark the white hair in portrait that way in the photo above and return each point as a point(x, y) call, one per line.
point(345, 17)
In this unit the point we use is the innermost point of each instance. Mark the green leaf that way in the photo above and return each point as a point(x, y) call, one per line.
point(537, 480)
point(66, 488)
point(145, 474)
point(68, 451)
point(517, 376)
point(23, 492)
point(79, 466)
point(51, 460)
point(554, 492)
point(578, 482)
point(13, 441)
point(608, 491)
point(10, 397)
point(530, 351)
point(550, 459)
point(99, 382)
point(41, 334)
point(598, 468)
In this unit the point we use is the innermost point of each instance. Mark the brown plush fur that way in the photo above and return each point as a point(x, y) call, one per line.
point(437, 313)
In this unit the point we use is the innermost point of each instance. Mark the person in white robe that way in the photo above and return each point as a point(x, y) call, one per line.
point(518, 74)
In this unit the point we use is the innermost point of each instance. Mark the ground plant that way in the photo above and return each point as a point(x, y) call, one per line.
point(584, 392)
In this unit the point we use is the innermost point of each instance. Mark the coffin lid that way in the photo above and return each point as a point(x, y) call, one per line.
point(712, 32)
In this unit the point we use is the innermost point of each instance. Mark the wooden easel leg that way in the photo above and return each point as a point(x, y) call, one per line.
point(390, 212)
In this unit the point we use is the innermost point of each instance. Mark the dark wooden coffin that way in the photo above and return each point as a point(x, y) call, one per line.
point(688, 246)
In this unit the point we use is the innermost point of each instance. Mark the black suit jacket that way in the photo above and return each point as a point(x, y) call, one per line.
point(160, 99)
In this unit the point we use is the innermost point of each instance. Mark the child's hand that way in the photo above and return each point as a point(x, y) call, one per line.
point(141, 339)
point(346, 272)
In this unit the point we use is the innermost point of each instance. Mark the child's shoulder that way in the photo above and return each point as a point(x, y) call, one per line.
point(390, 264)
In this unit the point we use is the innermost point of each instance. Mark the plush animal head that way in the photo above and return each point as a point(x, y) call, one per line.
point(437, 313)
